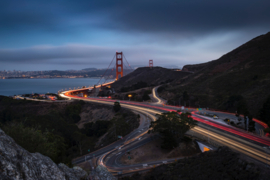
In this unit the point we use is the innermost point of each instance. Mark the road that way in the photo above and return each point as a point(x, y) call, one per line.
point(238, 140)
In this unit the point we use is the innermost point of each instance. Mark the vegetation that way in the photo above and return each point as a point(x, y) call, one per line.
point(152, 77)
point(145, 96)
point(267, 130)
point(242, 109)
point(116, 106)
point(96, 129)
point(172, 127)
point(35, 140)
point(161, 88)
point(49, 128)
point(138, 85)
point(221, 84)
point(220, 164)
point(265, 112)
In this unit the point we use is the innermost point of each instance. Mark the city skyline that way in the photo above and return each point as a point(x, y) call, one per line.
point(62, 35)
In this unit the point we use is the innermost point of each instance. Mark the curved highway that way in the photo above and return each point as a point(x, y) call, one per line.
point(238, 140)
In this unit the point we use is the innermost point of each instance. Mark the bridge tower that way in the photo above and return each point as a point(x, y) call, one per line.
point(119, 64)
point(151, 63)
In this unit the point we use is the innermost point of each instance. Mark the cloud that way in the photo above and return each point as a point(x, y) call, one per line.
point(190, 18)
point(180, 17)
point(47, 53)
point(83, 55)
point(175, 31)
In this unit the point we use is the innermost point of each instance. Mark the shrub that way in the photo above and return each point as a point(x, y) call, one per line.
point(116, 106)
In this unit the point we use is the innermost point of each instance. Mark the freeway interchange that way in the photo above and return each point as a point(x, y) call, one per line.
point(238, 140)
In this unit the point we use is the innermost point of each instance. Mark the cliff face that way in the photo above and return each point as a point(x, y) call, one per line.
point(17, 163)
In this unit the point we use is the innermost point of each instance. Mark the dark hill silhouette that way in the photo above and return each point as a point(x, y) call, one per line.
point(152, 76)
point(241, 73)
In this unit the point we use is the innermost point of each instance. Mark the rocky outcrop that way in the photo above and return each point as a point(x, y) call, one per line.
point(101, 173)
point(17, 163)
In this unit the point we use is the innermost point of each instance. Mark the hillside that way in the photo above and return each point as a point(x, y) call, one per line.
point(152, 76)
point(63, 131)
point(240, 75)
point(220, 164)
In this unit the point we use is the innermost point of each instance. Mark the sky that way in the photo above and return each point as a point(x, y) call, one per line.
point(65, 34)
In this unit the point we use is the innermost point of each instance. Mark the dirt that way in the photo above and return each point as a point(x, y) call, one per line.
point(152, 152)
point(94, 112)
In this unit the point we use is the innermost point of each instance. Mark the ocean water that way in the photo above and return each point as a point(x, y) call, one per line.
point(9, 87)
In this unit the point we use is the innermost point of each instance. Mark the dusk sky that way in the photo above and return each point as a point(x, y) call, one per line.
point(63, 34)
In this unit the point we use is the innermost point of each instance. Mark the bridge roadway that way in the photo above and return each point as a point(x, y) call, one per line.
point(109, 156)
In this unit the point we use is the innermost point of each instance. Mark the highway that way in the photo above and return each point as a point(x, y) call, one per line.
point(238, 140)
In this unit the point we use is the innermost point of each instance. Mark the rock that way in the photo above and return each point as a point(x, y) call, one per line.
point(101, 173)
point(73, 173)
point(248, 167)
point(18, 164)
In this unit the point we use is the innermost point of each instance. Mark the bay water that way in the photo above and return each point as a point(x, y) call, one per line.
point(10, 87)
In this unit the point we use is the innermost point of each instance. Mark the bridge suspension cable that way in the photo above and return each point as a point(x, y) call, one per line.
point(106, 70)
point(127, 62)
point(109, 75)
point(128, 67)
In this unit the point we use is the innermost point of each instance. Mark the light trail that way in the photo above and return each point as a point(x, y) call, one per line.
point(236, 143)
point(256, 154)
point(228, 129)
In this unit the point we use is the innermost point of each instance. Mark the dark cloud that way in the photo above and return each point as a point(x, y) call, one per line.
point(72, 54)
point(48, 53)
point(173, 30)
point(149, 16)
point(191, 17)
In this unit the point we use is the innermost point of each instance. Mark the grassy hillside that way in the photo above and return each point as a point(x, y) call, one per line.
point(240, 75)
point(145, 76)
point(220, 164)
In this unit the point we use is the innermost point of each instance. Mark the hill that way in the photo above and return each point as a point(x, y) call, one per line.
point(241, 75)
point(220, 164)
point(149, 76)
point(63, 130)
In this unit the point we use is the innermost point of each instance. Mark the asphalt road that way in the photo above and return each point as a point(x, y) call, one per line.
point(234, 138)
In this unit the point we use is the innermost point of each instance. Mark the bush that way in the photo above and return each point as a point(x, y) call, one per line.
point(116, 106)
point(267, 130)
point(35, 140)
point(148, 92)
point(146, 97)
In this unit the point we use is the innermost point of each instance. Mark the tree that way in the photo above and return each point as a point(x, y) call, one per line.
point(172, 127)
point(116, 106)
point(267, 130)
point(242, 109)
point(80, 140)
point(265, 111)
point(185, 97)
point(34, 140)
point(145, 96)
